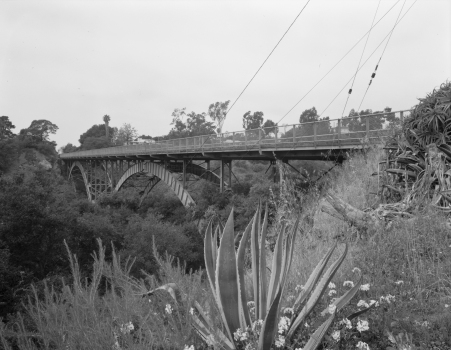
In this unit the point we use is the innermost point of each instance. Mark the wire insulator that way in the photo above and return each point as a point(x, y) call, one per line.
point(373, 75)
point(376, 68)
point(350, 91)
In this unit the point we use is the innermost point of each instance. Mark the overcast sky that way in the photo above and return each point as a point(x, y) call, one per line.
point(71, 62)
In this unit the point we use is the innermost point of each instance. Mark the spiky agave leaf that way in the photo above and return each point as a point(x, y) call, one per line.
point(255, 259)
point(210, 257)
point(316, 294)
point(262, 265)
point(227, 283)
point(246, 319)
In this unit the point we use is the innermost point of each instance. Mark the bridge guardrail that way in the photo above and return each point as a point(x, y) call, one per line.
point(325, 132)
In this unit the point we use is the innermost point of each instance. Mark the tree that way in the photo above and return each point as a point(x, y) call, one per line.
point(196, 124)
point(218, 112)
point(40, 130)
point(68, 148)
point(269, 127)
point(97, 131)
point(252, 121)
point(106, 119)
point(125, 135)
point(375, 123)
point(5, 128)
point(310, 116)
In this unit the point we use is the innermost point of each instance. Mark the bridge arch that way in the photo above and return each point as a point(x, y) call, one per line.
point(79, 165)
point(163, 174)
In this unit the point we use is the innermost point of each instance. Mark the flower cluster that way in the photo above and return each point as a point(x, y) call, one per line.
point(189, 347)
point(239, 335)
point(362, 326)
point(362, 346)
point(348, 284)
point(365, 287)
point(127, 328)
point(388, 298)
point(168, 309)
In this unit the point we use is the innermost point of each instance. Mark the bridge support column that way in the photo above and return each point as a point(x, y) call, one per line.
point(221, 176)
point(207, 162)
point(230, 173)
point(184, 173)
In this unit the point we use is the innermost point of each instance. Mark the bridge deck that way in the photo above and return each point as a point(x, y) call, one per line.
point(325, 139)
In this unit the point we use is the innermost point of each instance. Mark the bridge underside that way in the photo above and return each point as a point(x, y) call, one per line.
point(106, 175)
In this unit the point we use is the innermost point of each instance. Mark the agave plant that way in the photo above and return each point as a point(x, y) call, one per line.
point(419, 164)
point(226, 274)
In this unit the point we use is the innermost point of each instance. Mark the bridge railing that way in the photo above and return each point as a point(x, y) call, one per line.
point(343, 131)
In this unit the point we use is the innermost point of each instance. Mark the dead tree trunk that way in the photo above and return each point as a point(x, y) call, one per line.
point(344, 211)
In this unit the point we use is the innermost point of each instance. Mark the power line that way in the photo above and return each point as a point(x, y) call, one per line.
point(378, 63)
point(258, 70)
point(361, 56)
point(337, 63)
point(250, 81)
point(370, 55)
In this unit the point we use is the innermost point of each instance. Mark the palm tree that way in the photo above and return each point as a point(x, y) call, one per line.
point(106, 119)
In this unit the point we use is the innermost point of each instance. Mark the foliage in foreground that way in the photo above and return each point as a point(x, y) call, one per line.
point(108, 310)
point(263, 323)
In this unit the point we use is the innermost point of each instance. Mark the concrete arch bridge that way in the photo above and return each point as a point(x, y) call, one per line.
point(175, 161)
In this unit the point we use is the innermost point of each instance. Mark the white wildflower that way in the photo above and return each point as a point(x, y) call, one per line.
point(356, 269)
point(191, 311)
point(446, 305)
point(306, 325)
point(365, 287)
point(348, 284)
point(331, 285)
point(362, 326)
point(280, 341)
point(250, 304)
point(284, 323)
point(362, 346)
point(239, 335)
point(127, 328)
point(290, 298)
point(298, 288)
point(189, 347)
point(168, 309)
point(332, 292)
point(374, 302)
point(336, 335)
point(332, 308)
point(346, 322)
point(362, 303)
point(399, 282)
point(249, 346)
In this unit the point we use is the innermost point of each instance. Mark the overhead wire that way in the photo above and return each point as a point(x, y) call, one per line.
point(266, 59)
point(341, 59)
point(400, 19)
point(361, 56)
point(378, 63)
point(258, 70)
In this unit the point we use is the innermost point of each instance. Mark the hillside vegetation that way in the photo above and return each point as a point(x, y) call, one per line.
point(149, 285)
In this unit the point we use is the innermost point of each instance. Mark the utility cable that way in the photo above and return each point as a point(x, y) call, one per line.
point(337, 63)
point(258, 70)
point(370, 55)
point(361, 56)
point(378, 63)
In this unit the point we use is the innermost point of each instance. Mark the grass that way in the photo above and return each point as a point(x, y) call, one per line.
point(410, 261)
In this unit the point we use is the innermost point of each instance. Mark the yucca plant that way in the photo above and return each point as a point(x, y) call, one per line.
point(226, 274)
